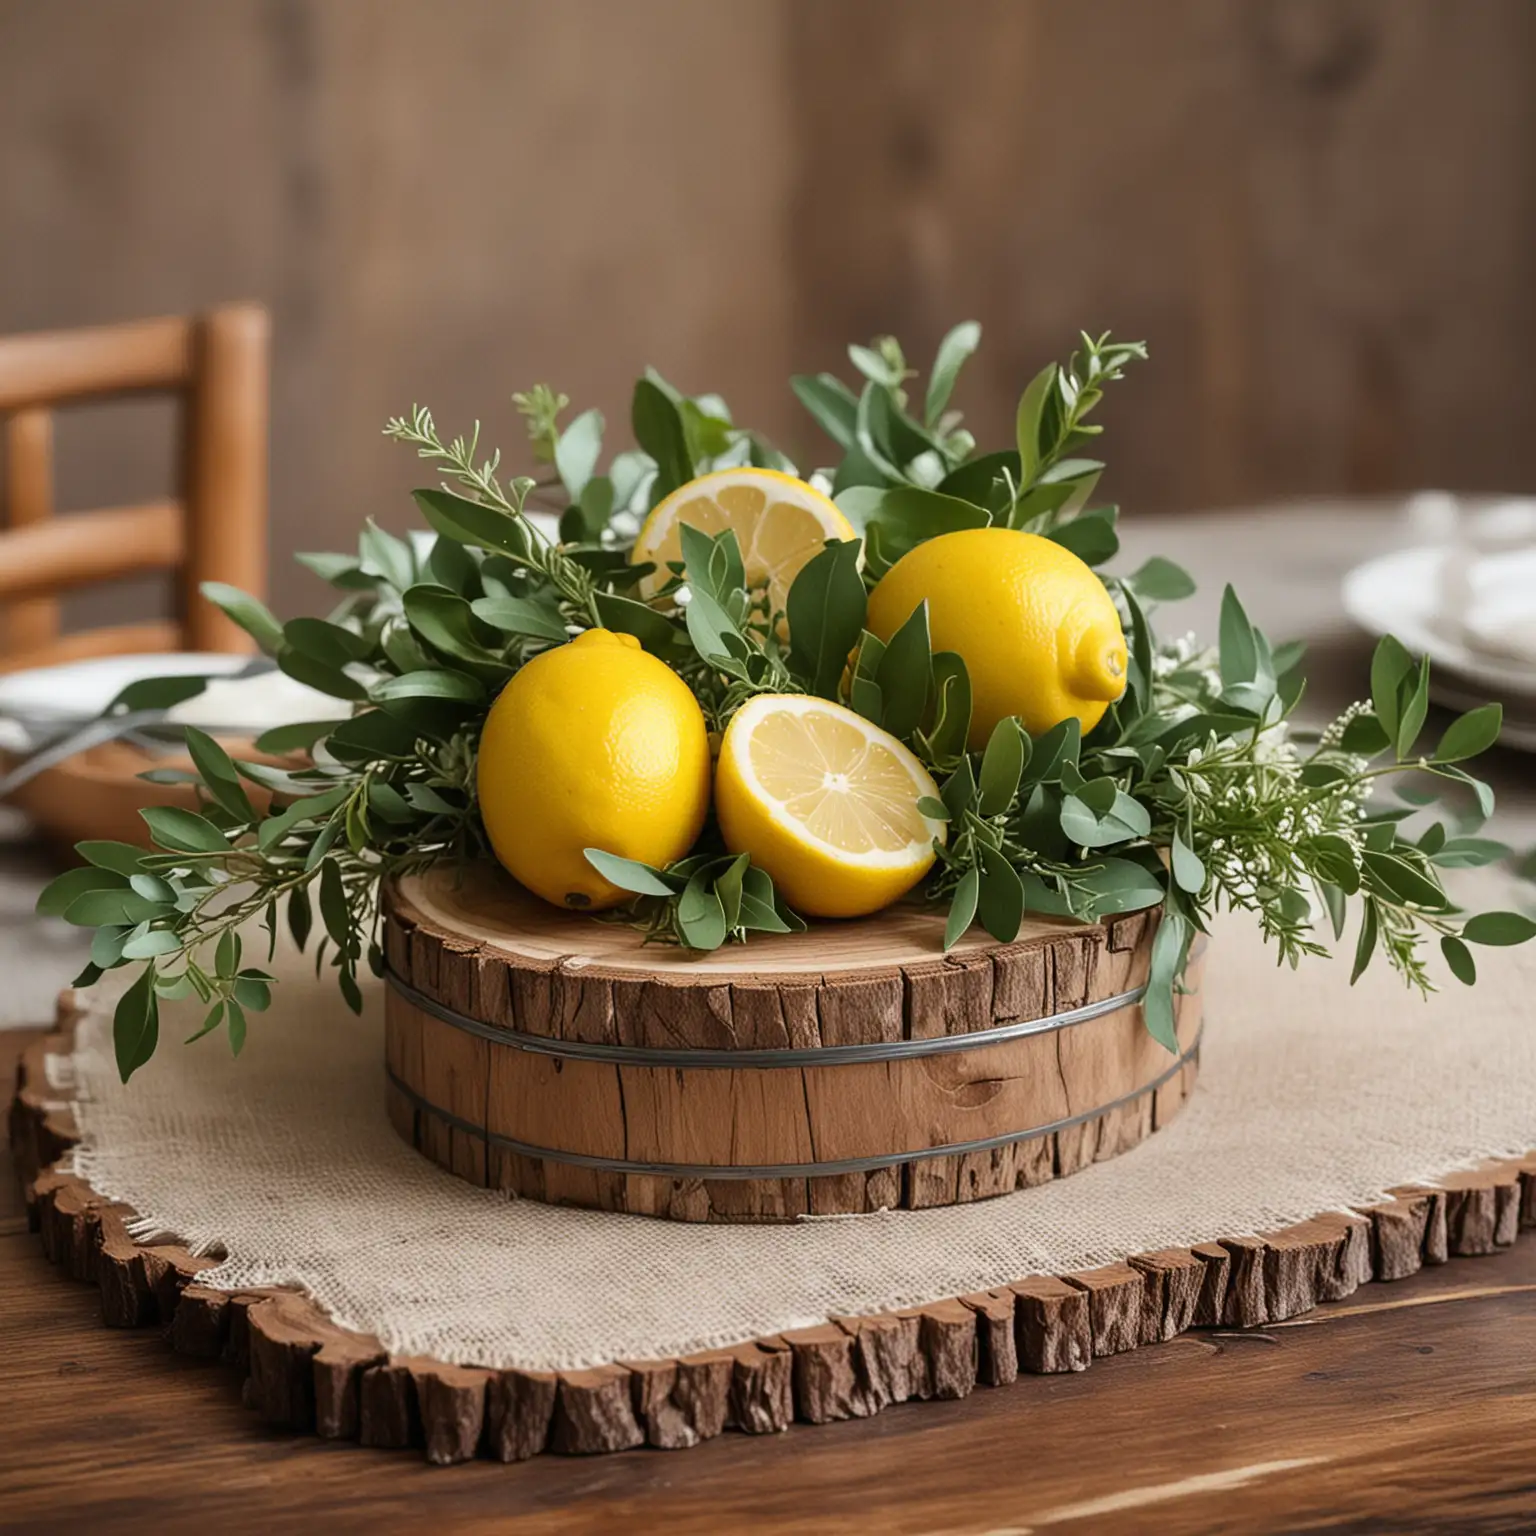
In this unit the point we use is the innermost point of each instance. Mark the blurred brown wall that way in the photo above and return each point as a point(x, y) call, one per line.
point(1320, 213)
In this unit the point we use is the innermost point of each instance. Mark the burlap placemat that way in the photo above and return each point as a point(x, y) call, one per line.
point(1312, 1096)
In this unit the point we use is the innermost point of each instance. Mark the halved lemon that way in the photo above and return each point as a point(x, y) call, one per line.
point(779, 521)
point(826, 803)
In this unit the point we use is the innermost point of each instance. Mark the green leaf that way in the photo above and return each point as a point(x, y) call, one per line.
point(153, 888)
point(962, 908)
point(390, 804)
point(1391, 665)
point(330, 644)
point(1399, 878)
point(625, 616)
point(61, 893)
point(759, 906)
point(905, 673)
point(1188, 870)
point(1161, 581)
point(1123, 821)
point(1469, 852)
point(1484, 792)
point(475, 523)
point(390, 557)
point(1459, 958)
point(1365, 736)
point(1239, 648)
point(1169, 948)
point(1053, 751)
point(1000, 901)
point(952, 707)
point(136, 1024)
point(218, 774)
point(1470, 734)
point(226, 954)
point(319, 675)
point(301, 916)
point(519, 616)
point(953, 351)
point(252, 616)
point(1365, 946)
point(1091, 536)
point(157, 941)
point(983, 480)
point(431, 684)
point(825, 609)
point(253, 990)
point(873, 366)
point(373, 734)
point(658, 428)
point(959, 790)
point(728, 887)
point(184, 831)
point(1119, 885)
point(446, 621)
point(1498, 928)
point(156, 693)
point(339, 570)
point(334, 912)
point(713, 632)
point(107, 945)
point(1001, 766)
point(450, 565)
point(1289, 656)
point(700, 917)
point(1415, 709)
point(1028, 420)
point(934, 810)
point(712, 563)
point(628, 874)
point(121, 858)
point(908, 515)
point(577, 450)
point(831, 402)
point(299, 737)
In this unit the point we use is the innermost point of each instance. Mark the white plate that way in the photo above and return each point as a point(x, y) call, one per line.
point(1401, 594)
point(44, 700)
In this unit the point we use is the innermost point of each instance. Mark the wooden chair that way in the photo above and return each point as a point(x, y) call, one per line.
point(216, 528)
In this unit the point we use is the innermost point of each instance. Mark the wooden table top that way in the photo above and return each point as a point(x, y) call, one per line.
point(1408, 1408)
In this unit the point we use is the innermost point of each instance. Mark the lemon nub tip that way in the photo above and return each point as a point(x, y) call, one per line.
point(1101, 669)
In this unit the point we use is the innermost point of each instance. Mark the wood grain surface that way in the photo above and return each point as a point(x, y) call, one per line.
point(1409, 1408)
point(486, 1109)
point(1316, 211)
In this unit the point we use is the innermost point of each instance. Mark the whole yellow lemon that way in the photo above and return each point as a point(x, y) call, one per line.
point(1035, 627)
point(595, 744)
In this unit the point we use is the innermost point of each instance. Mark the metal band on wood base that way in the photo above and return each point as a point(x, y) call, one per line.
point(852, 1068)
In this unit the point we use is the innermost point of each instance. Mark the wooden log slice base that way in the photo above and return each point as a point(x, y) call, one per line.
point(851, 1068)
point(307, 1375)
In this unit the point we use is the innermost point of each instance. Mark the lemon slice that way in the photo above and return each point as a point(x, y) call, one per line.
point(826, 803)
point(779, 521)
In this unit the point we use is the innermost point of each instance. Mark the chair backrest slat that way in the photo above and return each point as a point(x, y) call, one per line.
point(29, 499)
point(57, 367)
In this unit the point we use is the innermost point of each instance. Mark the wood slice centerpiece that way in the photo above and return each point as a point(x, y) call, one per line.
point(847, 1069)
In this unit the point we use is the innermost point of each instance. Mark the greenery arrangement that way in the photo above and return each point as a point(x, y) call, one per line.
point(1194, 791)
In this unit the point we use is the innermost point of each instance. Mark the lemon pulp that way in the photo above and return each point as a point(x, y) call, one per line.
point(826, 803)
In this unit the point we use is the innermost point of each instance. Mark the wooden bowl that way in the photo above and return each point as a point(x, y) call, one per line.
point(98, 794)
point(842, 1070)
